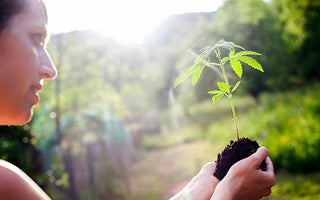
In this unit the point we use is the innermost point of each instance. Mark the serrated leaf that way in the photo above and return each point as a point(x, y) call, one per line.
point(231, 53)
point(196, 75)
point(224, 60)
point(251, 62)
point(224, 87)
point(206, 48)
point(185, 74)
point(243, 53)
point(238, 46)
point(217, 51)
point(215, 92)
point(236, 66)
point(217, 97)
point(208, 53)
point(236, 86)
point(226, 45)
point(200, 58)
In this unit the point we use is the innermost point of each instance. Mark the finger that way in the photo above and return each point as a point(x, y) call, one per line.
point(270, 172)
point(258, 156)
point(209, 168)
point(267, 177)
point(269, 165)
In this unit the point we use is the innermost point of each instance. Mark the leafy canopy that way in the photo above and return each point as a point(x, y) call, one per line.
point(235, 59)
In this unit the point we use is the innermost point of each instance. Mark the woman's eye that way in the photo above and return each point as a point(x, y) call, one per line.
point(38, 39)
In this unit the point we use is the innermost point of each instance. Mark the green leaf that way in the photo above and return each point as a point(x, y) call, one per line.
point(236, 66)
point(236, 86)
point(224, 87)
point(231, 53)
point(251, 62)
point(243, 53)
point(224, 60)
point(226, 45)
point(185, 74)
point(205, 49)
point(217, 51)
point(215, 92)
point(217, 97)
point(240, 47)
point(196, 75)
point(207, 55)
point(200, 57)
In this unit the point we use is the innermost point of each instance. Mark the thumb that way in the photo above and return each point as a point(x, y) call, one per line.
point(257, 158)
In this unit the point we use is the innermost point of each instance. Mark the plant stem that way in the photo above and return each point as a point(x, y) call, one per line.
point(230, 98)
point(234, 116)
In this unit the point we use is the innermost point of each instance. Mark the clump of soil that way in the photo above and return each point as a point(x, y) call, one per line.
point(235, 151)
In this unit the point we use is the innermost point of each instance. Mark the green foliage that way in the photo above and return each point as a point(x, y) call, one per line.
point(236, 86)
point(204, 60)
point(291, 122)
point(224, 88)
point(17, 146)
point(293, 186)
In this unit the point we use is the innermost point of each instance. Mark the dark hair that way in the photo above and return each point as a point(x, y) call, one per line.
point(8, 8)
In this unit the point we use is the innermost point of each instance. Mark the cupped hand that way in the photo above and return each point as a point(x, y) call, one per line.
point(245, 180)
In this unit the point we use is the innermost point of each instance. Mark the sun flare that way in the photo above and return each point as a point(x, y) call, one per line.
point(124, 20)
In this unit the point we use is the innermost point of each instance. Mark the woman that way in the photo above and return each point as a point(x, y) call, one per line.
point(25, 63)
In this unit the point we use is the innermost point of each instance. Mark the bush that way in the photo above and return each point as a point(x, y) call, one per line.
point(289, 127)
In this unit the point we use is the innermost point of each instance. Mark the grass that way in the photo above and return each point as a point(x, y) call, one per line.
point(296, 186)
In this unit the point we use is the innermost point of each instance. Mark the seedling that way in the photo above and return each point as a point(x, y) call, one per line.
point(223, 53)
point(236, 59)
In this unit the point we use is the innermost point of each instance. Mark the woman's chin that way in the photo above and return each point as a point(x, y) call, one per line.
point(17, 120)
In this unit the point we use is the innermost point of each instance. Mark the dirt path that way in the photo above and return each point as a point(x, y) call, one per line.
point(158, 171)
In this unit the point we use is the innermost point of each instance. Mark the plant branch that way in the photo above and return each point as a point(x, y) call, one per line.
point(217, 64)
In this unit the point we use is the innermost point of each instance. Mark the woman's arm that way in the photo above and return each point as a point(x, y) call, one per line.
point(16, 185)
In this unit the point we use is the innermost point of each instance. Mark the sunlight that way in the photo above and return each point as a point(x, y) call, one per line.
point(123, 20)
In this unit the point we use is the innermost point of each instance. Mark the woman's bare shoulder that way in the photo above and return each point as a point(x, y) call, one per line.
point(18, 185)
point(8, 172)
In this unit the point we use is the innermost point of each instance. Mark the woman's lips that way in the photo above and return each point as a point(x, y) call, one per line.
point(35, 95)
point(34, 89)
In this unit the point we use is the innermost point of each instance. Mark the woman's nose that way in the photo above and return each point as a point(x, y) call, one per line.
point(47, 68)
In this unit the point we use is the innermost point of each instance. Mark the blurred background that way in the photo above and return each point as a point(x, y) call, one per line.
point(111, 125)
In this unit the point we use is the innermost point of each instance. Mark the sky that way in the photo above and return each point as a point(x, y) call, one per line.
point(121, 19)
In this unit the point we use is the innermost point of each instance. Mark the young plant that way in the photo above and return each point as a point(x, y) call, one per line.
point(236, 59)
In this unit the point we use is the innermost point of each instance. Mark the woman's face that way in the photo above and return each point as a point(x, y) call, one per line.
point(24, 63)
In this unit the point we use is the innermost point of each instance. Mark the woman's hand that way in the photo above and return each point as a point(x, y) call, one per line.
point(202, 186)
point(245, 180)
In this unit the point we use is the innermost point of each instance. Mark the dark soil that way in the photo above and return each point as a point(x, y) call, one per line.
point(235, 151)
